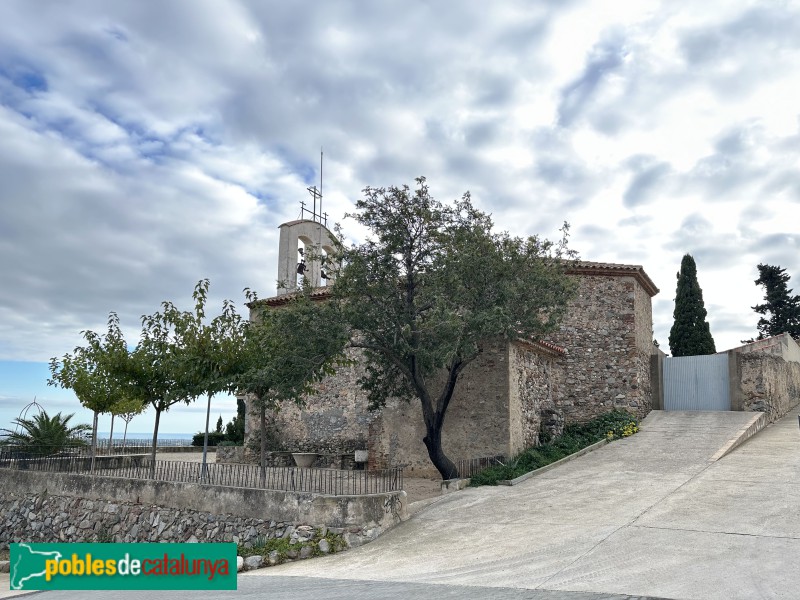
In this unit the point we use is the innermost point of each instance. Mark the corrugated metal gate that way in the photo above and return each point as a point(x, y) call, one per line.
point(697, 383)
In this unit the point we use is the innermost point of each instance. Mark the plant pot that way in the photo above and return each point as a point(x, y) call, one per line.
point(304, 459)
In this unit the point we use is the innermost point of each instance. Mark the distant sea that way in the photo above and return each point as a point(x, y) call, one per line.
point(138, 435)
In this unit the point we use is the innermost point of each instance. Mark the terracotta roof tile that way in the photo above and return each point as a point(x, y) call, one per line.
point(581, 267)
point(584, 267)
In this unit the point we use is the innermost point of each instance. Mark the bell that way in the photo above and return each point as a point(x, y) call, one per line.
point(301, 267)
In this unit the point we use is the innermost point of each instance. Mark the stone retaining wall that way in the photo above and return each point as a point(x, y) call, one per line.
point(53, 507)
point(768, 384)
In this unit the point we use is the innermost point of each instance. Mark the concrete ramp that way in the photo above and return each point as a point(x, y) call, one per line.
point(654, 514)
point(702, 435)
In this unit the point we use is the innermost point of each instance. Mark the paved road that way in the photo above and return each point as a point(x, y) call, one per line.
point(308, 588)
point(649, 515)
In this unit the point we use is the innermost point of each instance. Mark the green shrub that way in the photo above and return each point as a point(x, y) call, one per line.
point(214, 438)
point(262, 546)
point(613, 425)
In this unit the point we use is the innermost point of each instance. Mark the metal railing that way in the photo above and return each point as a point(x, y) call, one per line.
point(333, 482)
point(470, 466)
point(117, 444)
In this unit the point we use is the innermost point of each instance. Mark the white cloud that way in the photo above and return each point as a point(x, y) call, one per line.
point(147, 146)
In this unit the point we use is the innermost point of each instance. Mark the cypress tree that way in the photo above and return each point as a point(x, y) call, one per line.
point(782, 307)
point(690, 334)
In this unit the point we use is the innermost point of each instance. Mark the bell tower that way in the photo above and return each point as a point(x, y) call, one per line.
point(304, 246)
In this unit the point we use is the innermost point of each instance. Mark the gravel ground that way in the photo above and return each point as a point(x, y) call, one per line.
point(187, 456)
point(421, 489)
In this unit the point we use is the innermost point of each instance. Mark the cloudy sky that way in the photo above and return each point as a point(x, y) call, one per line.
point(147, 145)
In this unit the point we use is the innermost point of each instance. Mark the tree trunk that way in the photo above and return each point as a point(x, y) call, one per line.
point(263, 428)
point(155, 445)
point(433, 442)
point(111, 436)
point(434, 421)
point(93, 449)
point(125, 436)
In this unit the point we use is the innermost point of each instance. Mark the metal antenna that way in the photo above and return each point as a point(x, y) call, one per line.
point(319, 217)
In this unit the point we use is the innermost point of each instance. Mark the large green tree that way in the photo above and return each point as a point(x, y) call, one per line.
point(95, 372)
point(286, 350)
point(780, 310)
point(430, 285)
point(690, 334)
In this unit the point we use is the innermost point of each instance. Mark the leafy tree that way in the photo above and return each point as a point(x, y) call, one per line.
point(690, 334)
point(779, 305)
point(430, 286)
point(234, 429)
point(207, 353)
point(44, 435)
point(153, 369)
point(93, 372)
point(286, 350)
point(126, 409)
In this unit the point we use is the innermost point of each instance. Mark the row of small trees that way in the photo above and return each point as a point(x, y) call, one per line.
point(182, 356)
point(430, 285)
point(690, 334)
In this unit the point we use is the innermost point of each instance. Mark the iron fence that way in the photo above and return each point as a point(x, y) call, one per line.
point(136, 443)
point(136, 446)
point(333, 482)
point(470, 466)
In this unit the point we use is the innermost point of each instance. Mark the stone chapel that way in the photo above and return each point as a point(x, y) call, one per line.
point(598, 360)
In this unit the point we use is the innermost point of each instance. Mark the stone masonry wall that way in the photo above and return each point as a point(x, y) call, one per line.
point(46, 518)
point(476, 424)
point(605, 367)
point(230, 454)
point(501, 397)
point(335, 420)
point(780, 345)
point(642, 389)
point(769, 384)
point(54, 507)
point(534, 384)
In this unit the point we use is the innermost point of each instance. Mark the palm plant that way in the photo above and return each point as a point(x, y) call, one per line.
point(44, 435)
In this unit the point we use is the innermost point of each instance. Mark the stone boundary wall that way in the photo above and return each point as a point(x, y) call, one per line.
point(767, 383)
point(37, 506)
point(230, 454)
point(782, 345)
